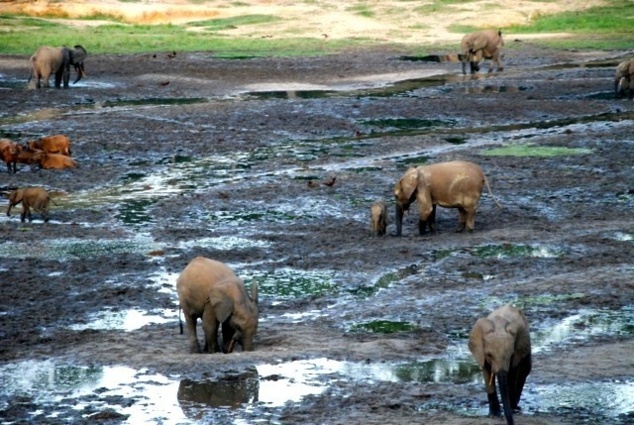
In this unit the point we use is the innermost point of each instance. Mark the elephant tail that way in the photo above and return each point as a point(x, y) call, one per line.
point(486, 181)
point(180, 321)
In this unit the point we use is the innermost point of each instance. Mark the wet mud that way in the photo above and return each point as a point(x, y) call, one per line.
point(195, 155)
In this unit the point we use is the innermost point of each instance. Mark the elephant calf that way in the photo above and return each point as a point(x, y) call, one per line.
point(31, 197)
point(624, 79)
point(54, 160)
point(209, 290)
point(378, 218)
point(480, 45)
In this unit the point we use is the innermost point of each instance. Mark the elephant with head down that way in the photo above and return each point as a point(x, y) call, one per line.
point(624, 79)
point(453, 184)
point(56, 61)
point(479, 45)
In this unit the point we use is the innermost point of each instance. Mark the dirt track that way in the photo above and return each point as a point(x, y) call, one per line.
point(199, 156)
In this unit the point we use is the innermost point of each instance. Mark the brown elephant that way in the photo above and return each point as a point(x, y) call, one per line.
point(378, 218)
point(624, 79)
point(454, 184)
point(209, 290)
point(56, 61)
point(57, 143)
point(31, 197)
point(486, 44)
point(501, 344)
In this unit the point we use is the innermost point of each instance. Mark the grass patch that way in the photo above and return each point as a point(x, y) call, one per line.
point(536, 151)
point(229, 23)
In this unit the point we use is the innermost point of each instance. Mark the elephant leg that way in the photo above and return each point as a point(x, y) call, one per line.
point(462, 220)
point(190, 321)
point(517, 378)
point(25, 212)
point(431, 221)
point(228, 332)
point(469, 219)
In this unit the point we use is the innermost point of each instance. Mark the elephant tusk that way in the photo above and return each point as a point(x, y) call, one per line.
point(491, 379)
point(231, 344)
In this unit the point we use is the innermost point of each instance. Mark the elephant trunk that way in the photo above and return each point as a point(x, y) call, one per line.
point(504, 392)
point(79, 68)
point(399, 219)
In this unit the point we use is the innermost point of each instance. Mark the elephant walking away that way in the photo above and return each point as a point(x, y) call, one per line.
point(209, 290)
point(56, 61)
point(624, 79)
point(31, 197)
point(501, 344)
point(454, 184)
point(486, 44)
point(378, 218)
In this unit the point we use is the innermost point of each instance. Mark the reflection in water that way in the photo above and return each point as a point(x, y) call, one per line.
point(231, 391)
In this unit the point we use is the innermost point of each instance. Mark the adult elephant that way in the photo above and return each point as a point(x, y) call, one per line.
point(209, 290)
point(486, 44)
point(453, 184)
point(56, 61)
point(624, 79)
point(501, 344)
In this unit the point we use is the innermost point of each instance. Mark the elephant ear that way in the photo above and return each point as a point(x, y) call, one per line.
point(406, 187)
point(522, 339)
point(476, 339)
point(221, 303)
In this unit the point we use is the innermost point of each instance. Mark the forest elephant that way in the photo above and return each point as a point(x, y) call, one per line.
point(209, 290)
point(31, 197)
point(57, 143)
point(501, 344)
point(624, 79)
point(9, 154)
point(454, 184)
point(486, 44)
point(56, 61)
point(378, 218)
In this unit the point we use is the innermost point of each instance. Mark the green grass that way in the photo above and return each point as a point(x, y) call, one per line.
point(535, 151)
point(609, 27)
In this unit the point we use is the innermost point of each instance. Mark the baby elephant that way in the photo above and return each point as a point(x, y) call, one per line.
point(378, 218)
point(31, 197)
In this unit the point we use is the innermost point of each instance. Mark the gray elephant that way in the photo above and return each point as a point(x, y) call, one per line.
point(209, 290)
point(486, 44)
point(56, 61)
point(624, 79)
point(454, 184)
point(501, 344)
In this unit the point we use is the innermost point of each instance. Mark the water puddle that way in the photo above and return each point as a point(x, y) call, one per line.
point(582, 326)
point(292, 283)
point(74, 248)
point(505, 251)
point(126, 320)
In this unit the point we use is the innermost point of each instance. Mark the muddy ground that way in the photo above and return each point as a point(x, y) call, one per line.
point(181, 156)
